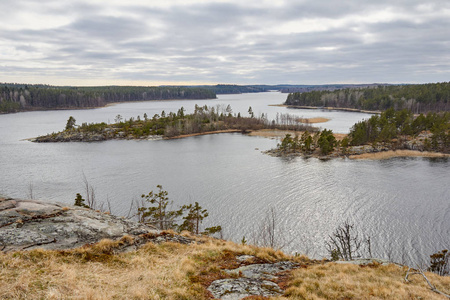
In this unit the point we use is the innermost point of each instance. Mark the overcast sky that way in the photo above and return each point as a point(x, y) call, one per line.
point(152, 42)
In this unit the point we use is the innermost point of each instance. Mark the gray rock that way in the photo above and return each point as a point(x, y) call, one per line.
point(245, 258)
point(263, 271)
point(235, 289)
point(28, 224)
point(254, 280)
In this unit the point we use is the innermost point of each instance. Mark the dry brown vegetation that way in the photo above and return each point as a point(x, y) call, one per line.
point(398, 153)
point(277, 133)
point(313, 120)
point(155, 271)
point(347, 281)
point(177, 271)
point(273, 133)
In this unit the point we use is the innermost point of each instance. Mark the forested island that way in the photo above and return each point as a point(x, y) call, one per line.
point(23, 97)
point(418, 98)
point(204, 120)
point(391, 130)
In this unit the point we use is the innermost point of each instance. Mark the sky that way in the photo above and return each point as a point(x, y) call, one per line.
point(155, 42)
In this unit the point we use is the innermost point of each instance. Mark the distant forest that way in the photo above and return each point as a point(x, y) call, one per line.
point(284, 88)
point(419, 98)
point(19, 97)
point(235, 89)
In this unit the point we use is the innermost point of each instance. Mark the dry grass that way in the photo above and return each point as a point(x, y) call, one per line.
point(346, 281)
point(274, 133)
point(397, 153)
point(176, 271)
point(156, 271)
point(313, 120)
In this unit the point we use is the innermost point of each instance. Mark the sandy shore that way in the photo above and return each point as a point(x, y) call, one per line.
point(328, 108)
point(275, 133)
point(398, 153)
point(313, 120)
point(203, 133)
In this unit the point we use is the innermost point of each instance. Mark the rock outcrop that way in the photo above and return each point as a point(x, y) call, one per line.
point(77, 136)
point(28, 224)
point(254, 280)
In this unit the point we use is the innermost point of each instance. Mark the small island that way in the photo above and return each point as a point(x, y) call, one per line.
point(204, 120)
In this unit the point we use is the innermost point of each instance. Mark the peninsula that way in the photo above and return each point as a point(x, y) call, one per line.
point(392, 133)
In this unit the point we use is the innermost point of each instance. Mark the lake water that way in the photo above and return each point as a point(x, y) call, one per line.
point(403, 204)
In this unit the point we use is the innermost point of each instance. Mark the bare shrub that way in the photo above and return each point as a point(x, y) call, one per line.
point(269, 232)
point(345, 243)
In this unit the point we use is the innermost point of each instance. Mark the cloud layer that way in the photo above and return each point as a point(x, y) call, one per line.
point(84, 42)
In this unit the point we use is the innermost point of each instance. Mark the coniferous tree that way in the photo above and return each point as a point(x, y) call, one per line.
point(70, 123)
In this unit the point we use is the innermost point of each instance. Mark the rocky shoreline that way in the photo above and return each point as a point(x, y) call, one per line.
point(412, 147)
point(75, 136)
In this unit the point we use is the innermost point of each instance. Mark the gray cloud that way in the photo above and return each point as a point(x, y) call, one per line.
point(233, 42)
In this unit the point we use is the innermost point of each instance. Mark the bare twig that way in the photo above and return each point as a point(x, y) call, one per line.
point(30, 190)
point(108, 202)
point(268, 233)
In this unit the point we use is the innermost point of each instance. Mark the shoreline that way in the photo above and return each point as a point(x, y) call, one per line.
point(90, 107)
point(276, 133)
point(202, 133)
point(397, 153)
point(137, 101)
point(375, 112)
point(382, 155)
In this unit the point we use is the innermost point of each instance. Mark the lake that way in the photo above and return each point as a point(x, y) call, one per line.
point(403, 204)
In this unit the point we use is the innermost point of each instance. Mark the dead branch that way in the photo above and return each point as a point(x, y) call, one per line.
point(420, 272)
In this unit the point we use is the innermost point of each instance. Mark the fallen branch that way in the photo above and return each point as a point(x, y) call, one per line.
point(420, 272)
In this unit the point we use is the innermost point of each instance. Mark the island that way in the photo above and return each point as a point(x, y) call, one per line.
point(204, 120)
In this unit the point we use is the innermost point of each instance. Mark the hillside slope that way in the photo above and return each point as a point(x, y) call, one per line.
point(172, 266)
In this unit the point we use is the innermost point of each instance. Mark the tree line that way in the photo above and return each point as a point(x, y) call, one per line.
point(17, 97)
point(418, 98)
